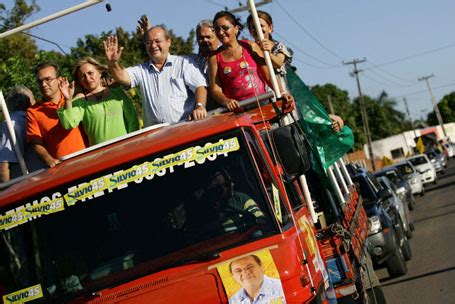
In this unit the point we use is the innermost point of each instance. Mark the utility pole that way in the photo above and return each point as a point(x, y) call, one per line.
point(435, 105)
point(244, 7)
point(409, 116)
point(363, 111)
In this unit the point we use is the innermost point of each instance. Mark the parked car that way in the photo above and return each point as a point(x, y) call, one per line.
point(404, 189)
point(437, 160)
point(425, 168)
point(395, 200)
point(450, 148)
point(412, 176)
point(389, 246)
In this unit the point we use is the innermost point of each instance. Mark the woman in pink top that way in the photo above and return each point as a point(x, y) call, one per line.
point(236, 71)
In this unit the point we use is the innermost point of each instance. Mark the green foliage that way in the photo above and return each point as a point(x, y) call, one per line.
point(446, 108)
point(17, 14)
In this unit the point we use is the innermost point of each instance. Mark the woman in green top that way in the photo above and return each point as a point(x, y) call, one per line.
point(105, 112)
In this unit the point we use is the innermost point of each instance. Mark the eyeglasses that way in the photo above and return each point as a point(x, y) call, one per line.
point(47, 80)
point(223, 28)
point(150, 42)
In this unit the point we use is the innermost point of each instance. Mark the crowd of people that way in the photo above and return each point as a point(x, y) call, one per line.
point(94, 107)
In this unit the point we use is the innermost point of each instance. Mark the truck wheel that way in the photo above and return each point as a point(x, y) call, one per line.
point(406, 249)
point(409, 233)
point(412, 226)
point(378, 295)
point(412, 203)
point(395, 264)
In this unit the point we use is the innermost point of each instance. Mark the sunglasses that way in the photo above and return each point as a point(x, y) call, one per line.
point(223, 28)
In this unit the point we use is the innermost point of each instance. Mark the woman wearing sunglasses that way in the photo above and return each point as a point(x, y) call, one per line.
point(236, 72)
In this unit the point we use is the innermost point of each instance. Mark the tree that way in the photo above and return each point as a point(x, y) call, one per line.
point(383, 119)
point(447, 109)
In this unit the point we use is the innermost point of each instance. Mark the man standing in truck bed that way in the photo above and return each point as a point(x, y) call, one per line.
point(45, 134)
point(164, 80)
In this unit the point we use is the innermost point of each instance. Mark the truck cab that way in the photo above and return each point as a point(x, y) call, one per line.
point(163, 210)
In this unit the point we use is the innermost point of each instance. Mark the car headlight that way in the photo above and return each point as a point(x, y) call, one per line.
point(401, 190)
point(374, 225)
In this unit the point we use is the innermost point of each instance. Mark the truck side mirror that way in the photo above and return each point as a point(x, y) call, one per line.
point(385, 194)
point(289, 143)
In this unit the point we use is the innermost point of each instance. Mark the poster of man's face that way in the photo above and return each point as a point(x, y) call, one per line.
point(248, 271)
point(252, 277)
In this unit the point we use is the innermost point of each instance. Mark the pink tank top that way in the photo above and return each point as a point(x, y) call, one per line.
point(240, 78)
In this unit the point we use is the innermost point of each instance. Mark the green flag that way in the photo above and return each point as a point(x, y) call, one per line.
point(316, 123)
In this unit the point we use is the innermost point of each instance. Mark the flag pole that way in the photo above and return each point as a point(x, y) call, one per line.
point(12, 135)
point(62, 13)
point(268, 61)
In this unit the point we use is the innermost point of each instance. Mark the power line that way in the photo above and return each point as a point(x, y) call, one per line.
point(46, 40)
point(307, 32)
point(426, 91)
point(297, 48)
point(378, 69)
point(412, 56)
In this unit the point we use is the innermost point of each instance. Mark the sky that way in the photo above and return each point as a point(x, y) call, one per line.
point(400, 40)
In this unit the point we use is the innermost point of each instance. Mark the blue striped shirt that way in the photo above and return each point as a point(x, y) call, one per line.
point(167, 95)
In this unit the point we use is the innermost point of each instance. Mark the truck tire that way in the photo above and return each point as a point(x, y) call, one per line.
point(412, 203)
point(396, 264)
point(406, 249)
point(376, 295)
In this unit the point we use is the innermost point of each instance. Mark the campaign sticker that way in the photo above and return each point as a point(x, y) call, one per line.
point(256, 271)
point(12, 219)
point(276, 203)
point(24, 295)
point(227, 70)
point(243, 65)
point(158, 166)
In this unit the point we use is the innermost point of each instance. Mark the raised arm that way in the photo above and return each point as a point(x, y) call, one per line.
point(113, 53)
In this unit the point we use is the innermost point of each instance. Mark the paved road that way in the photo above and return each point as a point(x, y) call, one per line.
point(431, 272)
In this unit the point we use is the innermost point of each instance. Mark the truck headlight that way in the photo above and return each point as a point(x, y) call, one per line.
point(401, 190)
point(374, 225)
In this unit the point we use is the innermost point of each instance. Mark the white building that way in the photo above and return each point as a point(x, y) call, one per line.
point(398, 146)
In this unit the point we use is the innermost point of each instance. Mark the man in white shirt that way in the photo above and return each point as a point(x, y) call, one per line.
point(256, 286)
point(164, 80)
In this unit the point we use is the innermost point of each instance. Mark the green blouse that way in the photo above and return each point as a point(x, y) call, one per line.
point(102, 120)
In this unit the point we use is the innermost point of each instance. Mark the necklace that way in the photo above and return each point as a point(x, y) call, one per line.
point(232, 53)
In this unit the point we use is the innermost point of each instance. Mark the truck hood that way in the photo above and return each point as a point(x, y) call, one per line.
point(202, 288)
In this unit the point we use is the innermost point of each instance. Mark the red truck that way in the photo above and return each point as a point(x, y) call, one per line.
point(184, 213)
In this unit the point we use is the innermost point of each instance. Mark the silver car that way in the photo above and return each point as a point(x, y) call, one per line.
point(395, 200)
point(414, 178)
point(436, 160)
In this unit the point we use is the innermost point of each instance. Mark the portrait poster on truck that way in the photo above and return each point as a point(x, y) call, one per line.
point(252, 276)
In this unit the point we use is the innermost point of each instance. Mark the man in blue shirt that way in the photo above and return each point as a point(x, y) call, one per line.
point(165, 80)
point(256, 286)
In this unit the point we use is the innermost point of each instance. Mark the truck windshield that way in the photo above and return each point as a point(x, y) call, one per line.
point(178, 207)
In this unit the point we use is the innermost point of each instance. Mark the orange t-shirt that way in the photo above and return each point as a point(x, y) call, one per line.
point(44, 125)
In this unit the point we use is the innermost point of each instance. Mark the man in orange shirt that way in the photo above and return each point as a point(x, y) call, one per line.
point(44, 132)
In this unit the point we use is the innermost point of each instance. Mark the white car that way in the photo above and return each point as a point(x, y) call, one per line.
point(412, 176)
point(424, 167)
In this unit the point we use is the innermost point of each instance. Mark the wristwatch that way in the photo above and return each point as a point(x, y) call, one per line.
point(200, 104)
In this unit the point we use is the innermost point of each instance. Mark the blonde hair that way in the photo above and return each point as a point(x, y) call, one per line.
point(106, 79)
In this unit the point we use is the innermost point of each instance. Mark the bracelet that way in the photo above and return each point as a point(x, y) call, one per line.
point(200, 104)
